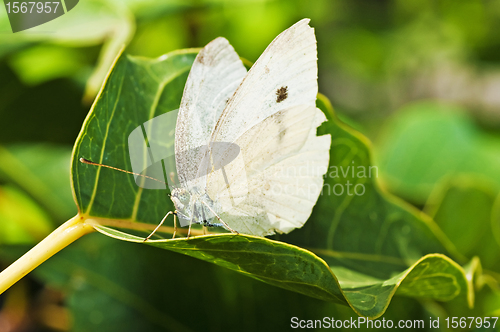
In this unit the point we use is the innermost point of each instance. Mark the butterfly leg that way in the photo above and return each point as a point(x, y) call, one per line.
point(222, 221)
point(204, 222)
point(189, 229)
point(161, 223)
point(175, 224)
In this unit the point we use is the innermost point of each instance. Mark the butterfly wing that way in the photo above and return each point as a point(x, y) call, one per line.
point(273, 119)
point(285, 75)
point(216, 73)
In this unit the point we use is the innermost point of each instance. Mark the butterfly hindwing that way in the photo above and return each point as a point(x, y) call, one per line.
point(284, 163)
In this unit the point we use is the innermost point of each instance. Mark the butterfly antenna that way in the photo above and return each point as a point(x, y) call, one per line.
point(88, 162)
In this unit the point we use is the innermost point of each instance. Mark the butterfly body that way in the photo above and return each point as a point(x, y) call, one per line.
point(194, 207)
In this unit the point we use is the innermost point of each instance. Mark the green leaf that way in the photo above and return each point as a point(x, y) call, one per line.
point(434, 276)
point(427, 141)
point(92, 22)
point(51, 62)
point(99, 278)
point(358, 249)
point(21, 219)
point(111, 285)
point(257, 257)
point(136, 91)
point(41, 170)
point(463, 208)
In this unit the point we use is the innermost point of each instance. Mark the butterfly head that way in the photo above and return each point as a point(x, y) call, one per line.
point(180, 197)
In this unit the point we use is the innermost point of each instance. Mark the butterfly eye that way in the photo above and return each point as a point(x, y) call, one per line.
point(184, 197)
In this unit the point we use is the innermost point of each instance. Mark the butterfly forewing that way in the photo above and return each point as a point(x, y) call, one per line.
point(285, 75)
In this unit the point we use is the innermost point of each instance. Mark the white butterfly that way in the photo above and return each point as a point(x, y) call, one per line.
point(268, 113)
point(246, 149)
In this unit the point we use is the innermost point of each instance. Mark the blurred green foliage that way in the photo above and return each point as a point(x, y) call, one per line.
point(374, 58)
point(426, 141)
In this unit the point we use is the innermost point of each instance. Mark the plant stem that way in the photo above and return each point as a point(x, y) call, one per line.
point(64, 235)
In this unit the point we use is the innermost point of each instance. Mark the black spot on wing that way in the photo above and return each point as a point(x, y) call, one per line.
point(281, 94)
